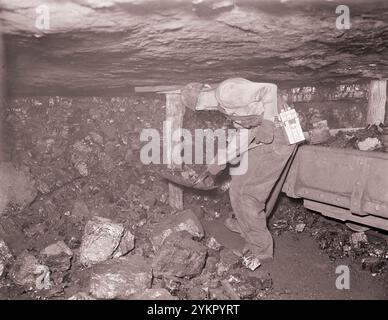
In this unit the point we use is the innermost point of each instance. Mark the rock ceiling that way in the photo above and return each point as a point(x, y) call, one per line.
point(110, 46)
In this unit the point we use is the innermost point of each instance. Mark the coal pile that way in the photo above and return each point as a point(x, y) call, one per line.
point(367, 249)
point(367, 139)
point(96, 212)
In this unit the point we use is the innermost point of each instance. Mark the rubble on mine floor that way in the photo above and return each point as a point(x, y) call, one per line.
point(334, 239)
point(182, 266)
point(99, 225)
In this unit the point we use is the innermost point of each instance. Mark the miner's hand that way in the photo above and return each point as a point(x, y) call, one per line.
point(207, 177)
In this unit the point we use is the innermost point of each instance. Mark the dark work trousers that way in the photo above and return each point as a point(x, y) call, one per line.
point(250, 191)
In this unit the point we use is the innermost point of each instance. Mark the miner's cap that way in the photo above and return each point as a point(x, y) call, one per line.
point(236, 93)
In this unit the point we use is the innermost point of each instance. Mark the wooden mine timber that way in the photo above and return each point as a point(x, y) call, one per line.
point(298, 94)
point(174, 116)
point(376, 102)
point(158, 89)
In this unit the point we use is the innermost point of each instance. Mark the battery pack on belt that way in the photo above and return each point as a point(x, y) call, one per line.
point(289, 121)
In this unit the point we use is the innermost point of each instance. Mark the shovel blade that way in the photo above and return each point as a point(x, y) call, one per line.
point(186, 183)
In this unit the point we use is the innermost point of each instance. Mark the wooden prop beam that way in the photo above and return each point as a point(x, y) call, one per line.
point(175, 111)
point(376, 102)
point(157, 89)
point(206, 100)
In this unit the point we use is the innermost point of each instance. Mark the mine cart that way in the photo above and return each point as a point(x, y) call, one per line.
point(349, 185)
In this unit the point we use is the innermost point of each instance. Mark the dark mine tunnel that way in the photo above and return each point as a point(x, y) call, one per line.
point(193, 150)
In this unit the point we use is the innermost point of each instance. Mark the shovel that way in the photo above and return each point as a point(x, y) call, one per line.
point(186, 183)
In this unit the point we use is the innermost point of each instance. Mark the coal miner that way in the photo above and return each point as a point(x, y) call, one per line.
point(257, 108)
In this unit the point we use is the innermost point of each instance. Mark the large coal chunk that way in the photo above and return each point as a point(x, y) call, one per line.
point(16, 187)
point(120, 278)
point(180, 256)
point(57, 257)
point(26, 270)
point(6, 257)
point(104, 239)
point(183, 221)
